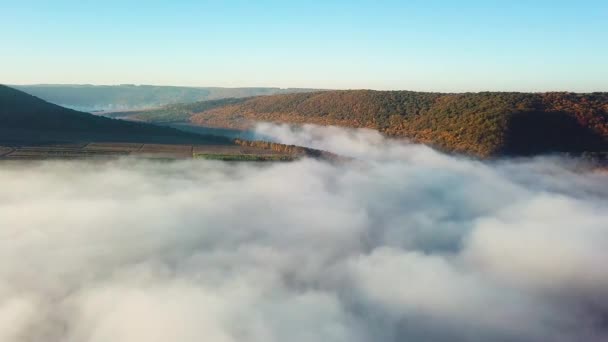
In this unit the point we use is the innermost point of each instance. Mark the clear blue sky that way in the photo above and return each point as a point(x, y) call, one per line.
point(418, 45)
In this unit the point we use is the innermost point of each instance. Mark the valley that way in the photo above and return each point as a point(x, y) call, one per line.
point(31, 128)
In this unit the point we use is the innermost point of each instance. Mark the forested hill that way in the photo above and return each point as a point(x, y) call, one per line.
point(483, 124)
point(24, 117)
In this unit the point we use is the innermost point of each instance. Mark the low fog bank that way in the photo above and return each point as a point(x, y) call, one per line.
point(408, 245)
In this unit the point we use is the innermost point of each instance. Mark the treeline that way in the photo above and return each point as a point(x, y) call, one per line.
point(482, 124)
point(293, 150)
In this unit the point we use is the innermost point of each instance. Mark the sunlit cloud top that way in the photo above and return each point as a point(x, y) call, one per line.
point(402, 244)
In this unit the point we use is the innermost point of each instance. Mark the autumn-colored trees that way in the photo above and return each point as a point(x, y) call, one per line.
point(474, 123)
point(292, 150)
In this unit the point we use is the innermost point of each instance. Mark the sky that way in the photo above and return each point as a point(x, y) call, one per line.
point(431, 45)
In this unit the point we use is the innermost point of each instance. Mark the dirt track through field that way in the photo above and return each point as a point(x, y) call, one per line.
point(5, 150)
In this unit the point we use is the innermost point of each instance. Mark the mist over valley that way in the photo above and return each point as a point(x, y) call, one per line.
point(401, 243)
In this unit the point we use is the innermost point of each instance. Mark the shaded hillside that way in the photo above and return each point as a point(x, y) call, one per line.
point(127, 97)
point(482, 124)
point(24, 117)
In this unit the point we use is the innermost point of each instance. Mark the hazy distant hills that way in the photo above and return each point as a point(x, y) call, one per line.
point(26, 118)
point(179, 112)
point(481, 124)
point(128, 97)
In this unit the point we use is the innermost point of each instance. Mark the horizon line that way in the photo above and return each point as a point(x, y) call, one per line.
point(301, 88)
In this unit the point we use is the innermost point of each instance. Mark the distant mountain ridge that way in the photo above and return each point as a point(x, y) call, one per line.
point(132, 97)
point(482, 124)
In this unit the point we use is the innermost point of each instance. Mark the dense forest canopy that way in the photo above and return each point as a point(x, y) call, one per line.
point(481, 124)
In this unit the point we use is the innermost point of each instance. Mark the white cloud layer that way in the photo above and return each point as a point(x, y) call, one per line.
point(403, 244)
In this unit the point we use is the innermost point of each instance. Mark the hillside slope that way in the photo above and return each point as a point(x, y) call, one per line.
point(482, 124)
point(24, 117)
point(176, 112)
point(133, 97)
